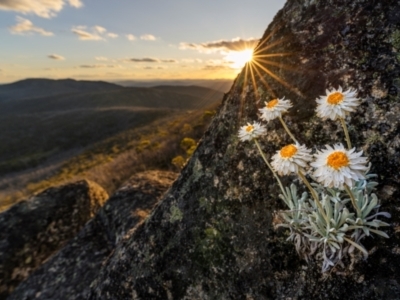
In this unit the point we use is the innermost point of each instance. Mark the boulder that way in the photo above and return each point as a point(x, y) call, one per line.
point(70, 273)
point(33, 230)
point(212, 236)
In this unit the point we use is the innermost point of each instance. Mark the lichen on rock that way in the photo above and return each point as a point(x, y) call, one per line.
point(309, 47)
point(34, 229)
point(225, 246)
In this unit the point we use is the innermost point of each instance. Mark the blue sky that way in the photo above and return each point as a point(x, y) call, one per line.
point(129, 39)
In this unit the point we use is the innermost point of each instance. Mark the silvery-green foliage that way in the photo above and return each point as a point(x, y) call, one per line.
point(335, 232)
point(296, 219)
point(366, 221)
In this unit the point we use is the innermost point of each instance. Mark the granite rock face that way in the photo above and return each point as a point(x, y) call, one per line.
point(33, 230)
point(212, 236)
point(69, 273)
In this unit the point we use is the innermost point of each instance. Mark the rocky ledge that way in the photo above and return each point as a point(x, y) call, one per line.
point(70, 273)
point(34, 229)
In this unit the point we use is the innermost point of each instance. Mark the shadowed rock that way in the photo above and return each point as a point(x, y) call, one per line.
point(34, 229)
point(69, 274)
point(212, 236)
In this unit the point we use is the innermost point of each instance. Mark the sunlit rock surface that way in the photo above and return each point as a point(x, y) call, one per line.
point(69, 273)
point(33, 230)
point(212, 236)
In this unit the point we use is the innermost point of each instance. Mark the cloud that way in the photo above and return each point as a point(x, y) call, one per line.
point(215, 68)
point(99, 29)
point(101, 58)
point(98, 66)
point(146, 59)
point(112, 35)
point(56, 56)
point(96, 33)
point(236, 44)
point(130, 37)
point(215, 62)
point(86, 36)
point(148, 68)
point(191, 60)
point(24, 26)
point(148, 37)
point(75, 3)
point(42, 8)
point(151, 60)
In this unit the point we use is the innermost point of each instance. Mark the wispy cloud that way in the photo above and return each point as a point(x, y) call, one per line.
point(131, 37)
point(191, 60)
point(24, 27)
point(215, 67)
point(95, 33)
point(56, 57)
point(85, 35)
point(151, 60)
point(148, 37)
point(146, 59)
point(101, 58)
point(236, 44)
point(99, 29)
point(98, 66)
point(75, 3)
point(112, 35)
point(42, 8)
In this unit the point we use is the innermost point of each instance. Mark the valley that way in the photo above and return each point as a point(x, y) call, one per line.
point(54, 131)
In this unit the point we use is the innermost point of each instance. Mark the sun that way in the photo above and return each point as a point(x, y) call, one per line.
point(238, 59)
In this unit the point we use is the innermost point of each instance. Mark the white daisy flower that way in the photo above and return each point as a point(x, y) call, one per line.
point(290, 158)
point(337, 103)
point(251, 131)
point(337, 166)
point(274, 109)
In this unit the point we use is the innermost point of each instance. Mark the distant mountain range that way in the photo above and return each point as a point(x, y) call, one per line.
point(42, 118)
point(222, 85)
point(35, 88)
point(44, 95)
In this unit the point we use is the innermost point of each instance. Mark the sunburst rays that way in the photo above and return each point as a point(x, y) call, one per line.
point(264, 62)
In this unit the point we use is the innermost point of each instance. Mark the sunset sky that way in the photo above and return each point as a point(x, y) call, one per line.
point(129, 39)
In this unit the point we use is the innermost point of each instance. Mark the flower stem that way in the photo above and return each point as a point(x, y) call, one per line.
point(353, 200)
point(314, 194)
point(287, 129)
point(270, 167)
point(346, 132)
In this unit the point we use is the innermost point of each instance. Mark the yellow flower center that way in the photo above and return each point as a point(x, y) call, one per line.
point(272, 103)
point(249, 128)
point(288, 151)
point(335, 98)
point(337, 159)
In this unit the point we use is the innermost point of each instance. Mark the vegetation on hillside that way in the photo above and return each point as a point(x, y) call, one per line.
point(35, 129)
point(54, 131)
point(112, 161)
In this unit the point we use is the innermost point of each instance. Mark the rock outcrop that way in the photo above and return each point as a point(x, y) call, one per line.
point(70, 273)
point(212, 236)
point(32, 230)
